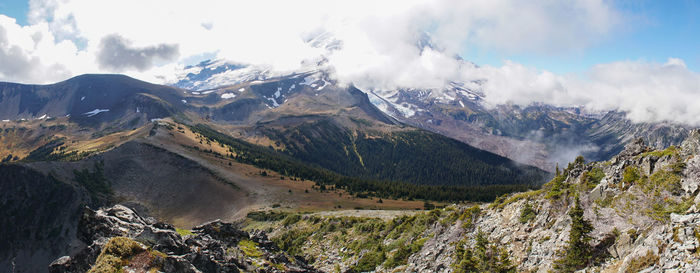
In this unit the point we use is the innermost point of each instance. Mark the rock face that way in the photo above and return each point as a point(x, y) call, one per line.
point(643, 206)
point(212, 247)
point(643, 211)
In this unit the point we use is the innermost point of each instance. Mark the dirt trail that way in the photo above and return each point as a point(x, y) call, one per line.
point(382, 214)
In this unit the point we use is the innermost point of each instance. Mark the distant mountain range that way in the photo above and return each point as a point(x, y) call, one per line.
point(539, 134)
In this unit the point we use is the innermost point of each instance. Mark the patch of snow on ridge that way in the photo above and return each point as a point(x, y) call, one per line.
point(274, 102)
point(95, 112)
point(309, 80)
point(83, 98)
point(228, 95)
point(277, 94)
point(241, 90)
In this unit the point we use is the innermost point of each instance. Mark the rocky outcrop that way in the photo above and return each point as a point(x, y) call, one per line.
point(643, 211)
point(212, 247)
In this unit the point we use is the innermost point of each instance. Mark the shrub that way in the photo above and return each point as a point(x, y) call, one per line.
point(593, 177)
point(630, 175)
point(642, 263)
point(115, 254)
point(291, 219)
point(183, 232)
point(469, 216)
point(483, 257)
point(250, 248)
point(527, 213)
point(370, 261)
point(404, 251)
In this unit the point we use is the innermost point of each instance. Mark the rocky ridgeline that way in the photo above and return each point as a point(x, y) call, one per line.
point(643, 206)
point(117, 238)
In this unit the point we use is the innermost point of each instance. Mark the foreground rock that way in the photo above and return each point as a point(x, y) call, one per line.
point(118, 238)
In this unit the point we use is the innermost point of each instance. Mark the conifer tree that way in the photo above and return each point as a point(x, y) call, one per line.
point(577, 253)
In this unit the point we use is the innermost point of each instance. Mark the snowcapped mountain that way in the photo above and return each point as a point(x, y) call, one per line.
point(538, 134)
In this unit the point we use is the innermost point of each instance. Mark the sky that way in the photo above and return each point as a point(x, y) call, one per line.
point(640, 57)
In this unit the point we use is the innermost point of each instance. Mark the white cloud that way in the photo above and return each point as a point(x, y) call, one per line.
point(378, 46)
point(646, 91)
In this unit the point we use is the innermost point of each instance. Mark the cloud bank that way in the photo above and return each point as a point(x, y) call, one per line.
point(117, 54)
point(372, 44)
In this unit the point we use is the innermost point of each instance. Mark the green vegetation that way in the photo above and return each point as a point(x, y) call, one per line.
point(662, 180)
point(46, 151)
point(114, 255)
point(503, 201)
point(370, 260)
point(670, 151)
point(250, 248)
point(527, 213)
point(592, 178)
point(469, 216)
point(630, 176)
point(578, 252)
point(262, 216)
point(485, 256)
point(400, 156)
point(462, 177)
point(642, 263)
point(183, 232)
point(556, 187)
point(94, 181)
point(661, 209)
point(371, 241)
point(400, 257)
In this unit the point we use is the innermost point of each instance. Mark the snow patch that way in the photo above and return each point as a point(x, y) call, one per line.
point(309, 80)
point(228, 95)
point(274, 102)
point(277, 93)
point(82, 99)
point(207, 92)
point(461, 103)
point(184, 101)
point(241, 90)
point(323, 86)
point(95, 112)
point(196, 93)
point(292, 87)
point(5, 120)
point(42, 117)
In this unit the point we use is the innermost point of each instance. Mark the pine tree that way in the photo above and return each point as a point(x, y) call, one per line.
point(577, 253)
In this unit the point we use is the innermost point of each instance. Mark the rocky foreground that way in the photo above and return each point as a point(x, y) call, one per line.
point(119, 240)
point(638, 212)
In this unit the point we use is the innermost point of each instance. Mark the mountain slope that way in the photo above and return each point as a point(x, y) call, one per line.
point(539, 135)
point(641, 222)
point(642, 207)
point(96, 101)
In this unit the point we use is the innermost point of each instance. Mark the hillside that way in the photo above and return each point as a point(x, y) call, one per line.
point(307, 119)
point(636, 212)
